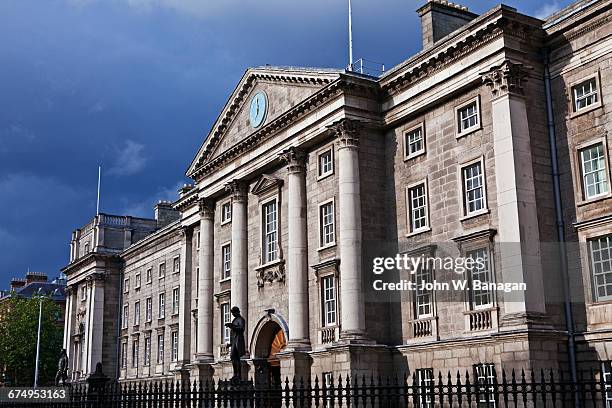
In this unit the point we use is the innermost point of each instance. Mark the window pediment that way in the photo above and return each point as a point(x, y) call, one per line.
point(265, 184)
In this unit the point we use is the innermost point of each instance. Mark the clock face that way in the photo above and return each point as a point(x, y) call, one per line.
point(259, 106)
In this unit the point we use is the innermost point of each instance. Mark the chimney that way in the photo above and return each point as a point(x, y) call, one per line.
point(17, 283)
point(165, 213)
point(440, 18)
point(35, 277)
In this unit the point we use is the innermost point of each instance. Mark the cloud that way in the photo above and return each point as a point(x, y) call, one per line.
point(205, 9)
point(44, 243)
point(129, 159)
point(7, 239)
point(144, 208)
point(14, 133)
point(547, 9)
point(97, 107)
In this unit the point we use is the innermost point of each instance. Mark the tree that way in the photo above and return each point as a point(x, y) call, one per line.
point(18, 332)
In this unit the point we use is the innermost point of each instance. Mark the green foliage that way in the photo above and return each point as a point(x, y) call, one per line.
point(18, 332)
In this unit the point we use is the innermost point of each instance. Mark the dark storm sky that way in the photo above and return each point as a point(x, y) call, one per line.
point(134, 85)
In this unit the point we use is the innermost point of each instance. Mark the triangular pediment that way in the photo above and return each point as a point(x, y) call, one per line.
point(284, 88)
point(265, 184)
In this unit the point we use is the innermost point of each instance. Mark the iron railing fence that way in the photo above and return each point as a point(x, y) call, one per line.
point(515, 389)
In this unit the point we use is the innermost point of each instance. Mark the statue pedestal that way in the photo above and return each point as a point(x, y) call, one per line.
point(236, 392)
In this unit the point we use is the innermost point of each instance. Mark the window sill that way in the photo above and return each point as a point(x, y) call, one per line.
point(418, 232)
point(414, 155)
point(488, 308)
point(474, 214)
point(593, 199)
point(328, 246)
point(468, 131)
point(269, 264)
point(324, 176)
point(161, 277)
point(588, 109)
point(228, 279)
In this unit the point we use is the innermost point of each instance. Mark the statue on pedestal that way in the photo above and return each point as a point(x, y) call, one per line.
point(62, 369)
point(237, 342)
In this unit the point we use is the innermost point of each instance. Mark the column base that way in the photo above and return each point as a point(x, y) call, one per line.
point(202, 370)
point(181, 372)
point(295, 365)
point(203, 358)
point(298, 345)
point(355, 360)
point(356, 337)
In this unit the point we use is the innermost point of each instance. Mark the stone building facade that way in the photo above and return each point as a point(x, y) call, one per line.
point(493, 141)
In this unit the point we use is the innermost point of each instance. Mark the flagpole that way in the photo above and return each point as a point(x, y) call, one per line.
point(98, 199)
point(350, 28)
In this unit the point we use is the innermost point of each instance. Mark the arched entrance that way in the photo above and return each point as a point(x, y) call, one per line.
point(269, 340)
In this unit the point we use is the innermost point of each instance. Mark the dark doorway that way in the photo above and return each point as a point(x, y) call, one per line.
point(270, 341)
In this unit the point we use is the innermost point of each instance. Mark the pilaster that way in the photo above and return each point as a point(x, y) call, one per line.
point(184, 327)
point(95, 328)
point(519, 240)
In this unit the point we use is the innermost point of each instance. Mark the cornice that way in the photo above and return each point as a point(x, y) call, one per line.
point(187, 201)
point(443, 59)
point(345, 84)
point(174, 228)
point(579, 32)
point(91, 257)
point(435, 61)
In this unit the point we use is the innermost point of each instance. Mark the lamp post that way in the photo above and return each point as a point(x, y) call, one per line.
point(40, 299)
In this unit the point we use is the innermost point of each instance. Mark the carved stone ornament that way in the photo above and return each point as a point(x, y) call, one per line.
point(238, 190)
point(347, 132)
point(207, 208)
point(266, 183)
point(271, 274)
point(182, 231)
point(506, 78)
point(96, 277)
point(295, 159)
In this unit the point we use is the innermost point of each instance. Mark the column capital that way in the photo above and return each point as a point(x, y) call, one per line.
point(207, 208)
point(183, 232)
point(295, 159)
point(96, 277)
point(238, 189)
point(346, 131)
point(506, 78)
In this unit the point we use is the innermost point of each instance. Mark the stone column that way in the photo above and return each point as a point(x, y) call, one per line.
point(519, 240)
point(184, 328)
point(204, 346)
point(69, 292)
point(239, 289)
point(95, 329)
point(349, 230)
point(297, 260)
